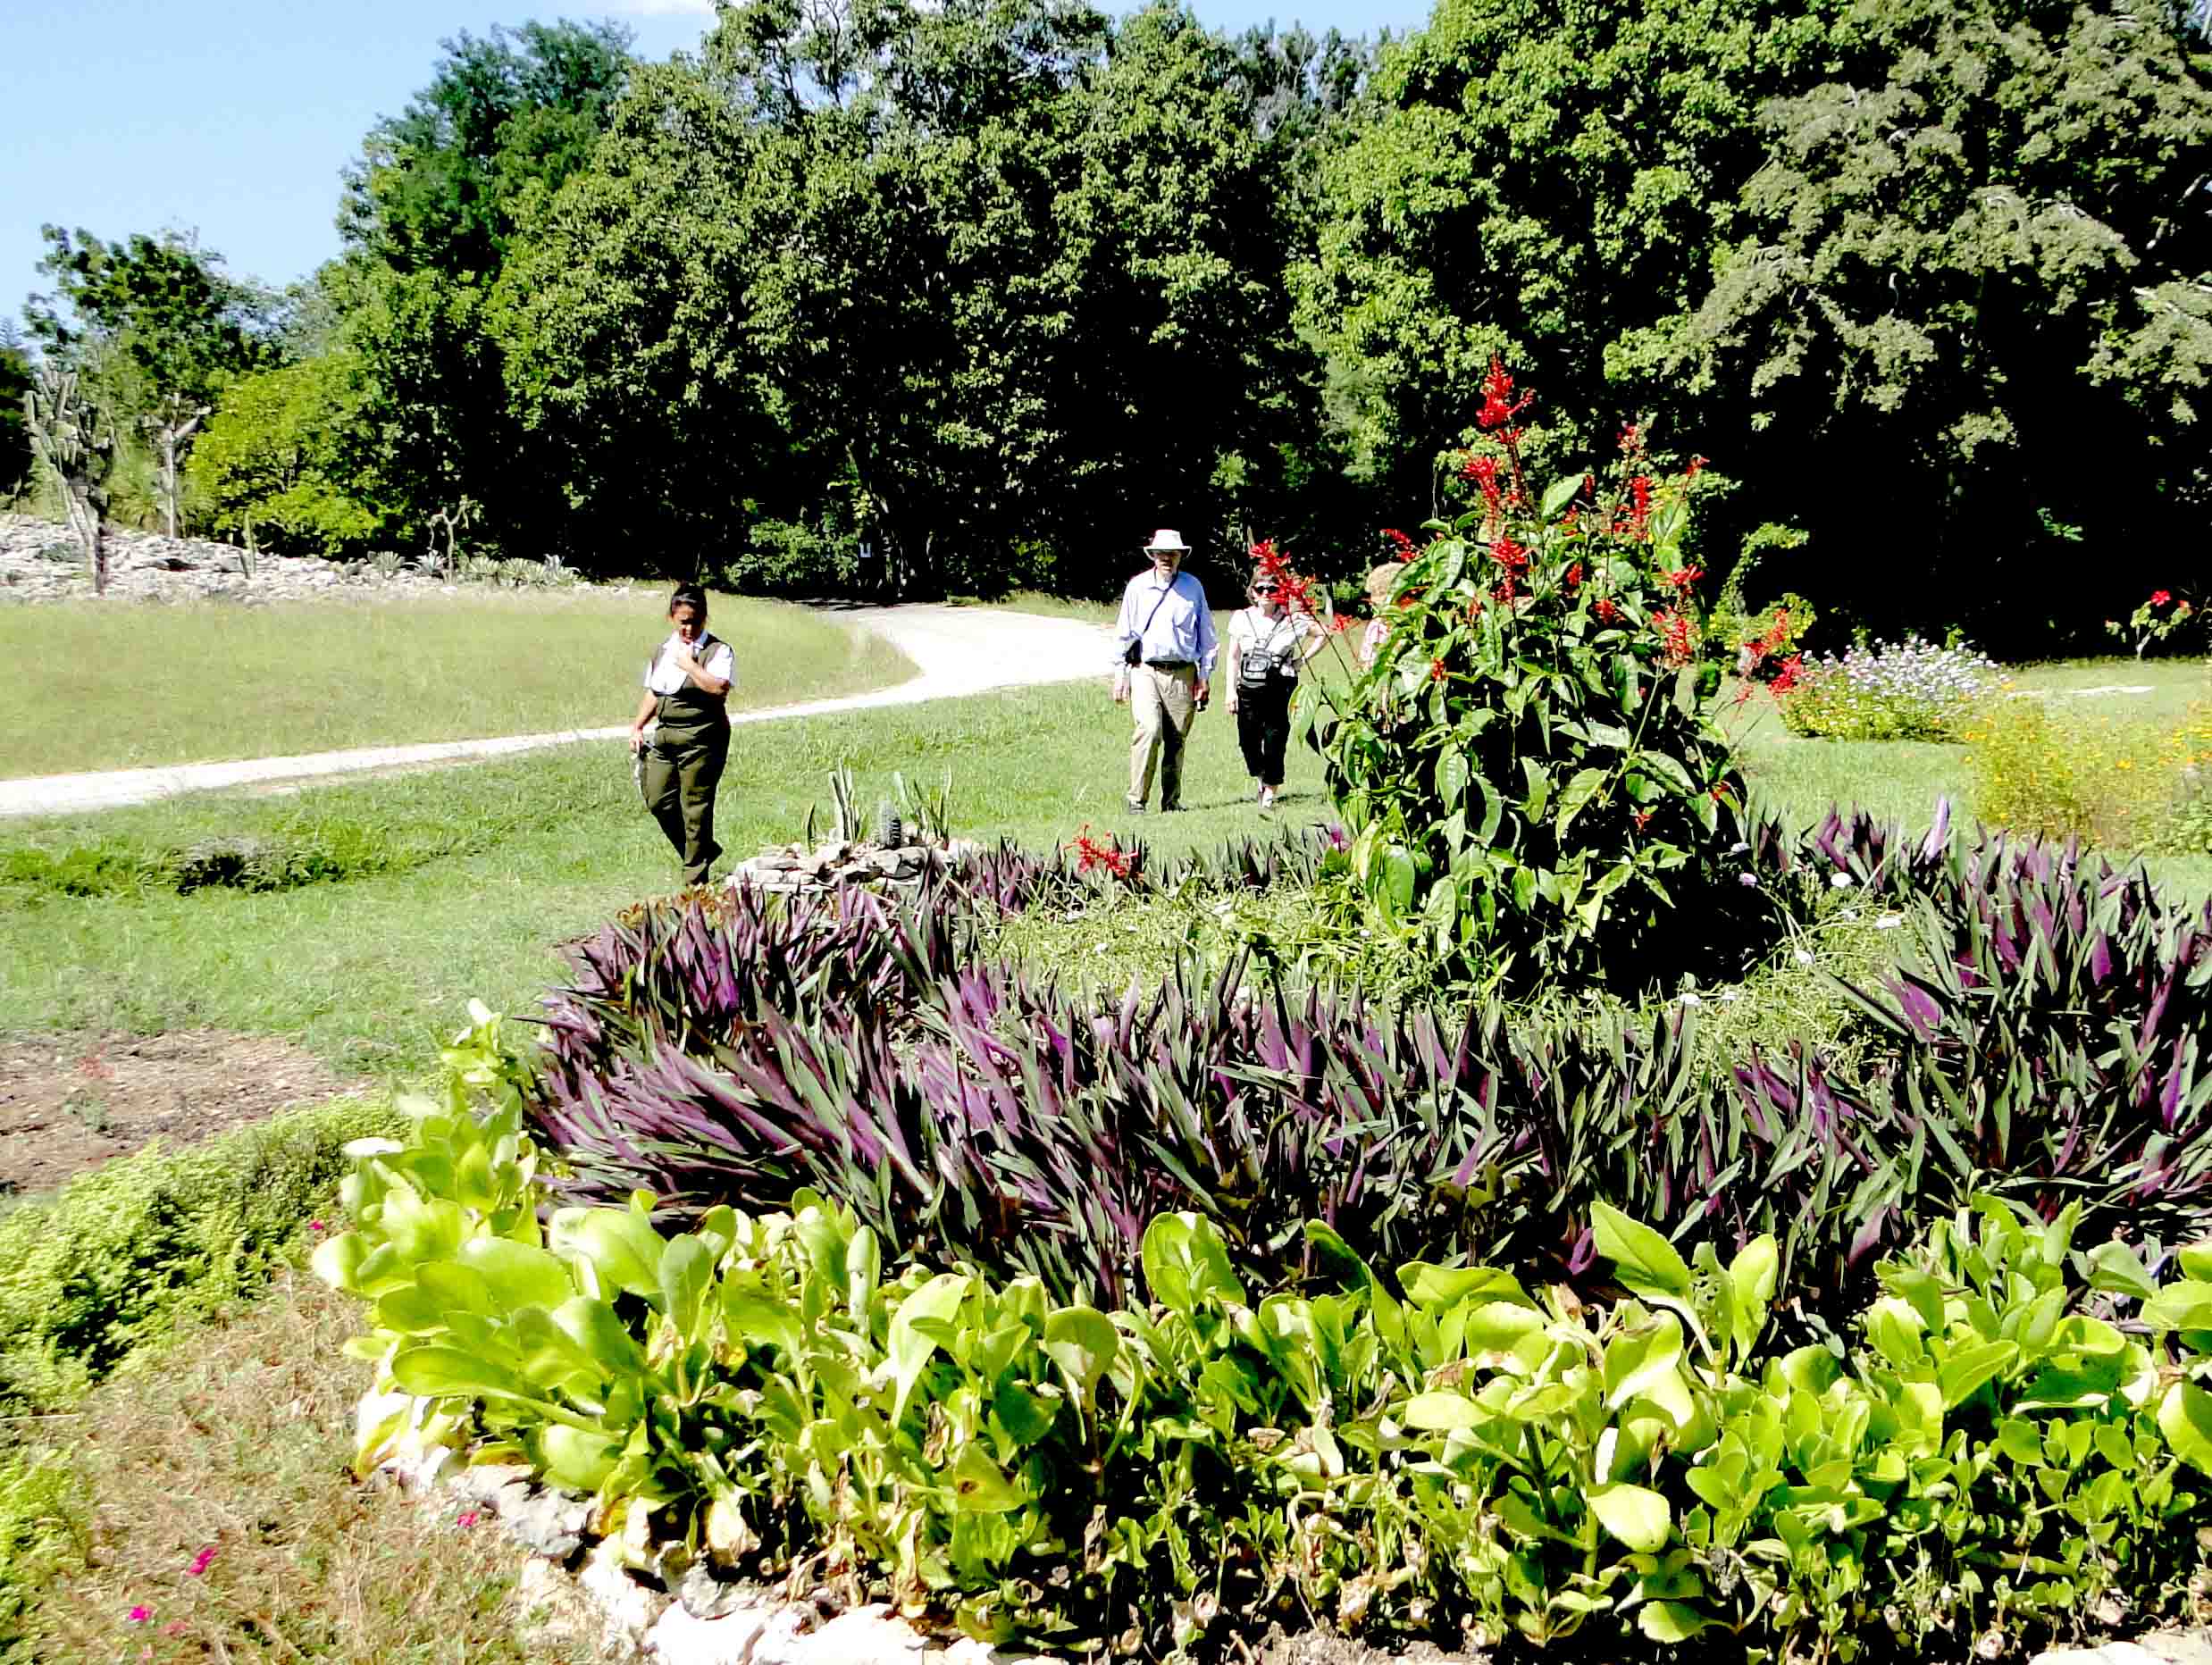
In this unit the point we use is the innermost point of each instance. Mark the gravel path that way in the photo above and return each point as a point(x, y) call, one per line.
point(958, 650)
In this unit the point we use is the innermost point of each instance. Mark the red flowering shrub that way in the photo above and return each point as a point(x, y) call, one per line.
point(1529, 770)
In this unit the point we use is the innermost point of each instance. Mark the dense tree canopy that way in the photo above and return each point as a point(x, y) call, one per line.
point(992, 287)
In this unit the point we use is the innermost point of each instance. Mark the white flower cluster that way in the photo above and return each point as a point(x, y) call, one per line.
point(1892, 690)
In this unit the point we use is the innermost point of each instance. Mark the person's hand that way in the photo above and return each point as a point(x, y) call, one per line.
point(637, 742)
point(686, 664)
point(1121, 689)
point(1199, 692)
point(1231, 701)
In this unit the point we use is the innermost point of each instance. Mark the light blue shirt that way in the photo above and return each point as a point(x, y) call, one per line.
point(1181, 629)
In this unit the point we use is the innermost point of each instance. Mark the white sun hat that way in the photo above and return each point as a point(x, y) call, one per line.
point(1168, 537)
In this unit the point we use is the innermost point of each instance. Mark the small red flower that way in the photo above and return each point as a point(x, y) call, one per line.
point(466, 1518)
point(1091, 853)
point(140, 1615)
point(1406, 551)
point(1690, 471)
point(200, 1562)
point(1499, 405)
point(1642, 817)
point(1683, 578)
point(1435, 669)
point(1640, 506)
point(1474, 610)
point(1511, 555)
point(1677, 636)
point(1574, 576)
point(1607, 613)
point(2159, 598)
point(1631, 439)
point(1788, 673)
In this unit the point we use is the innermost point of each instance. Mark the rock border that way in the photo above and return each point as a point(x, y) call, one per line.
point(684, 1615)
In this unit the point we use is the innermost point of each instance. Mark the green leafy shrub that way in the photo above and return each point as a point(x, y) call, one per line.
point(2068, 773)
point(1528, 768)
point(119, 1254)
point(308, 848)
point(791, 558)
point(1451, 1451)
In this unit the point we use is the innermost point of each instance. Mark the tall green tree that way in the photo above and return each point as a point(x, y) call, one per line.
point(430, 215)
point(159, 326)
point(1970, 287)
point(1542, 181)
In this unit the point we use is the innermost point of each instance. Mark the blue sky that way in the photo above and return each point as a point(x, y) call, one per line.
point(232, 118)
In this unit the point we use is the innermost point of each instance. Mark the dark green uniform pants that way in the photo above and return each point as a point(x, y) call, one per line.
point(682, 768)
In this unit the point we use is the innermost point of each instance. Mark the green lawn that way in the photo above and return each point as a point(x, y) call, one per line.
point(497, 862)
point(102, 688)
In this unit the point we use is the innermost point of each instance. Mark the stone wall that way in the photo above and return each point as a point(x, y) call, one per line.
point(41, 561)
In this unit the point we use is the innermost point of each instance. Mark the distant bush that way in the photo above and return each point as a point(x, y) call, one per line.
point(2127, 784)
point(790, 559)
point(303, 851)
point(118, 1255)
point(1911, 690)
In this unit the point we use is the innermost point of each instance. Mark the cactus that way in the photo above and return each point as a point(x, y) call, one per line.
point(890, 831)
point(841, 797)
point(75, 437)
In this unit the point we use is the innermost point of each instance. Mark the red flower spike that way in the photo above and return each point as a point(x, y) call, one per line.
point(1435, 669)
point(1607, 613)
point(1574, 576)
point(1404, 545)
point(2159, 598)
point(1499, 406)
point(1091, 853)
point(1511, 555)
point(1678, 639)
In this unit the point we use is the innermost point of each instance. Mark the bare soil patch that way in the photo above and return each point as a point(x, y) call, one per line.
point(69, 1102)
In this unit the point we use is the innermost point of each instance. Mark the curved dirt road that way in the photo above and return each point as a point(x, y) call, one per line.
point(956, 650)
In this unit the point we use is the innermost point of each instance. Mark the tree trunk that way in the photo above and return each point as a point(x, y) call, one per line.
point(169, 478)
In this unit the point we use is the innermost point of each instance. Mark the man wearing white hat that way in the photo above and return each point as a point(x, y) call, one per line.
point(1164, 649)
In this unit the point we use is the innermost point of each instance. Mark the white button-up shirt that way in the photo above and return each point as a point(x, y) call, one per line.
point(663, 677)
point(1181, 626)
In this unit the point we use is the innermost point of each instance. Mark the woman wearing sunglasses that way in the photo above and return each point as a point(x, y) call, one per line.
point(1266, 645)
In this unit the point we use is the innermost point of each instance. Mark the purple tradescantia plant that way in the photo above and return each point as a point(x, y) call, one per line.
point(2043, 1036)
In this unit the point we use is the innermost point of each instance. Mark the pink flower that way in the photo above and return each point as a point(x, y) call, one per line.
point(141, 1615)
point(317, 1225)
point(467, 1517)
point(2159, 598)
point(200, 1561)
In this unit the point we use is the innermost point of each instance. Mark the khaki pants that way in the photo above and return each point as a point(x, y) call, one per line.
point(682, 768)
point(1163, 703)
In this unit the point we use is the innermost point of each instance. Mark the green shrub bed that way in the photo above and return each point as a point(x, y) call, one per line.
point(119, 1255)
point(2015, 1434)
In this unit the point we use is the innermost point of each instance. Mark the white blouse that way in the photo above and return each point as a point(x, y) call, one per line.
point(663, 677)
point(1282, 636)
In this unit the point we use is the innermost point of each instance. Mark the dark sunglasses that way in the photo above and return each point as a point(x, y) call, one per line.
point(1264, 589)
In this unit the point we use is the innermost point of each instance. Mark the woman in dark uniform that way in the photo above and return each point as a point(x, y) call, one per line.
point(687, 688)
